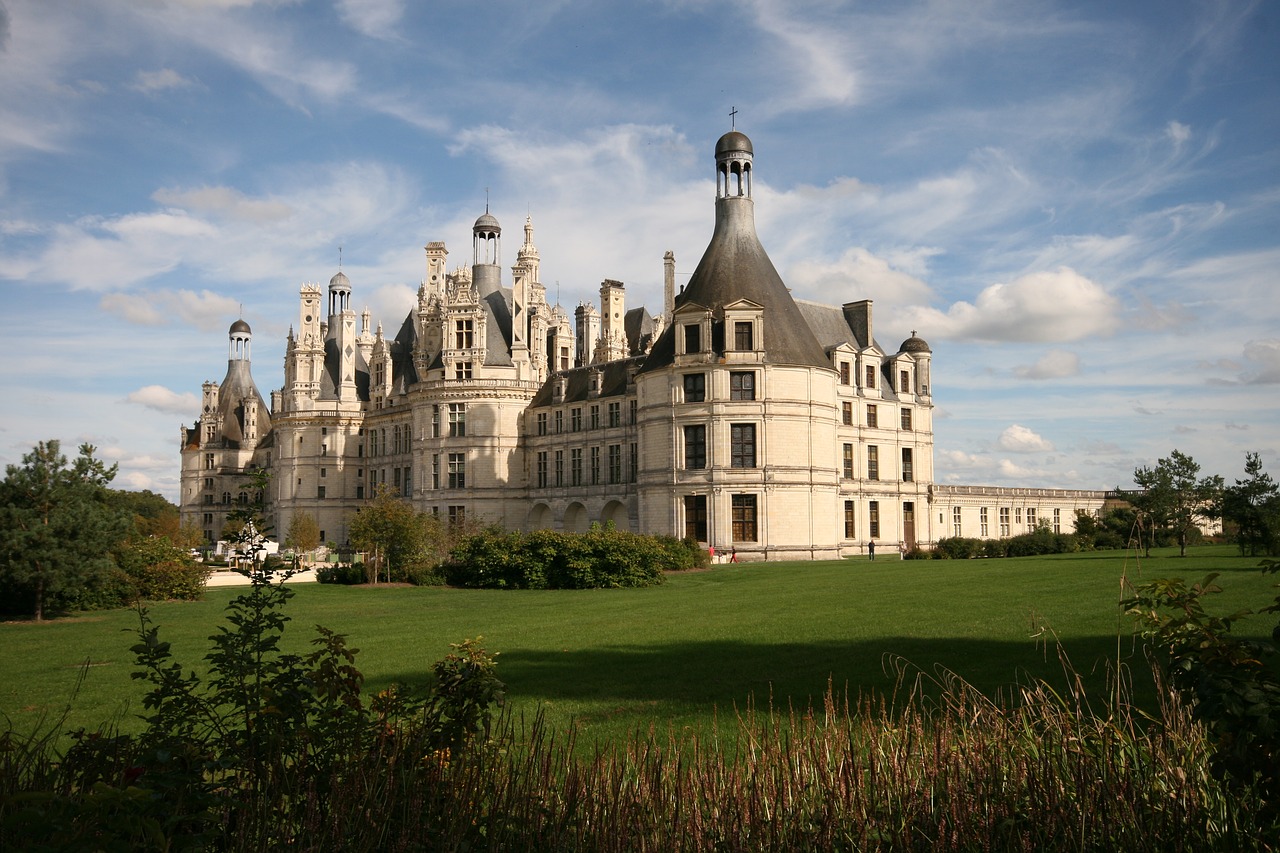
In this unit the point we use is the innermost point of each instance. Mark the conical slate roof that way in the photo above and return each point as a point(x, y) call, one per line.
point(735, 266)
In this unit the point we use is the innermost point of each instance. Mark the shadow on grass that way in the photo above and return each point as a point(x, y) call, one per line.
point(663, 680)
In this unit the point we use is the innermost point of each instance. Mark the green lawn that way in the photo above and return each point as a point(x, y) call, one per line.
point(615, 660)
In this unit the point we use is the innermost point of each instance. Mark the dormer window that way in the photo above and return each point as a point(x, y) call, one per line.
point(463, 334)
point(743, 337)
point(871, 376)
point(692, 338)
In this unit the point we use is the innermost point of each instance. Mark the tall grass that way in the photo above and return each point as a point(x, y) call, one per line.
point(936, 765)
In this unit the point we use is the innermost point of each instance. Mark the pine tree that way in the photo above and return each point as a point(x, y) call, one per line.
point(58, 525)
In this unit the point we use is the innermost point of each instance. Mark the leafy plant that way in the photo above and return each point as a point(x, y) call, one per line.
point(1224, 678)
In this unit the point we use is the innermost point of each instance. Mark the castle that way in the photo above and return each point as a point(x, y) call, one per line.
point(739, 416)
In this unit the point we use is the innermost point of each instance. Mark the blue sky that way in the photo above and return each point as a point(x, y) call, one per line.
point(1077, 205)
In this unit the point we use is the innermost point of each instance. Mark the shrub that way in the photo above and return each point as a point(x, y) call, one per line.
point(958, 548)
point(547, 559)
point(339, 573)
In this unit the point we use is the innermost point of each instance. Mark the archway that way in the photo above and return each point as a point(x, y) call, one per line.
point(616, 512)
point(575, 518)
point(540, 517)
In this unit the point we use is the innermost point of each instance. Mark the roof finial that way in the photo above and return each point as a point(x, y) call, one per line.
point(733, 118)
point(339, 257)
point(486, 199)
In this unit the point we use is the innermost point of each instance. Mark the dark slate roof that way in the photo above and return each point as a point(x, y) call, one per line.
point(735, 266)
point(497, 346)
point(613, 382)
point(403, 371)
point(638, 325)
point(236, 385)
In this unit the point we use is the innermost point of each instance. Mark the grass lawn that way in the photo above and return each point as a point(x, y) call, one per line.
point(703, 643)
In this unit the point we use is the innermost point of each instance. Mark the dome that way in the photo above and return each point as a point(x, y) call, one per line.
point(734, 140)
point(239, 327)
point(340, 280)
point(915, 344)
point(487, 222)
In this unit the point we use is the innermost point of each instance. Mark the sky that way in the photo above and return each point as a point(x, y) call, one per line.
point(1076, 204)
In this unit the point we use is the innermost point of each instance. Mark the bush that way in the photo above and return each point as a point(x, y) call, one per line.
point(958, 548)
point(547, 559)
point(348, 575)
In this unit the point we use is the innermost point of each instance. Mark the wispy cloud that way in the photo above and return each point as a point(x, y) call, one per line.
point(161, 399)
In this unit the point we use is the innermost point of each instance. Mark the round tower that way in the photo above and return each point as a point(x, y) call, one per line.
point(486, 236)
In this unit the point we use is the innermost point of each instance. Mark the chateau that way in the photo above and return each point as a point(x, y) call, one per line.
point(737, 416)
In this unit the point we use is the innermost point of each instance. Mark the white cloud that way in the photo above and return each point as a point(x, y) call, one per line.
point(1177, 132)
point(151, 82)
point(224, 201)
point(163, 400)
point(857, 274)
point(1020, 439)
point(1266, 355)
point(1044, 307)
point(1054, 364)
point(204, 310)
point(373, 18)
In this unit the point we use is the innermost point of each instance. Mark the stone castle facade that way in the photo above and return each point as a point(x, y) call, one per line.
point(737, 416)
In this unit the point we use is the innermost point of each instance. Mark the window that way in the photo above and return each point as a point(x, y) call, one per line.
point(542, 423)
point(844, 373)
point(208, 518)
point(595, 417)
point(906, 419)
point(848, 461)
point(595, 466)
point(695, 517)
point(873, 417)
point(742, 445)
point(982, 522)
point(559, 467)
point(615, 463)
point(462, 334)
point(1057, 521)
point(695, 447)
point(564, 358)
point(743, 508)
point(395, 439)
point(435, 471)
point(615, 414)
point(208, 482)
point(908, 472)
point(634, 406)
point(871, 375)
point(1004, 522)
point(457, 470)
point(462, 370)
point(742, 336)
point(635, 462)
point(955, 521)
point(396, 477)
point(542, 469)
point(742, 385)
point(320, 492)
point(208, 499)
point(575, 466)
point(359, 493)
point(226, 498)
point(324, 472)
point(1031, 517)
point(435, 429)
point(208, 461)
point(693, 338)
point(873, 462)
point(575, 419)
point(873, 519)
point(457, 420)
point(904, 381)
point(695, 387)
point(559, 421)
point(850, 516)
point(846, 413)
point(1017, 516)
point(457, 516)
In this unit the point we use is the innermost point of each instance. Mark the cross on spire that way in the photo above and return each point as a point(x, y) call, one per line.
point(733, 118)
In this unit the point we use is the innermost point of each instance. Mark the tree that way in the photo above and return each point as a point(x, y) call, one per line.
point(1173, 499)
point(304, 532)
point(1253, 505)
point(57, 525)
point(394, 534)
point(247, 525)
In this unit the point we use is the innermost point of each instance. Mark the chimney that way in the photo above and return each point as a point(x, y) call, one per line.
point(858, 316)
